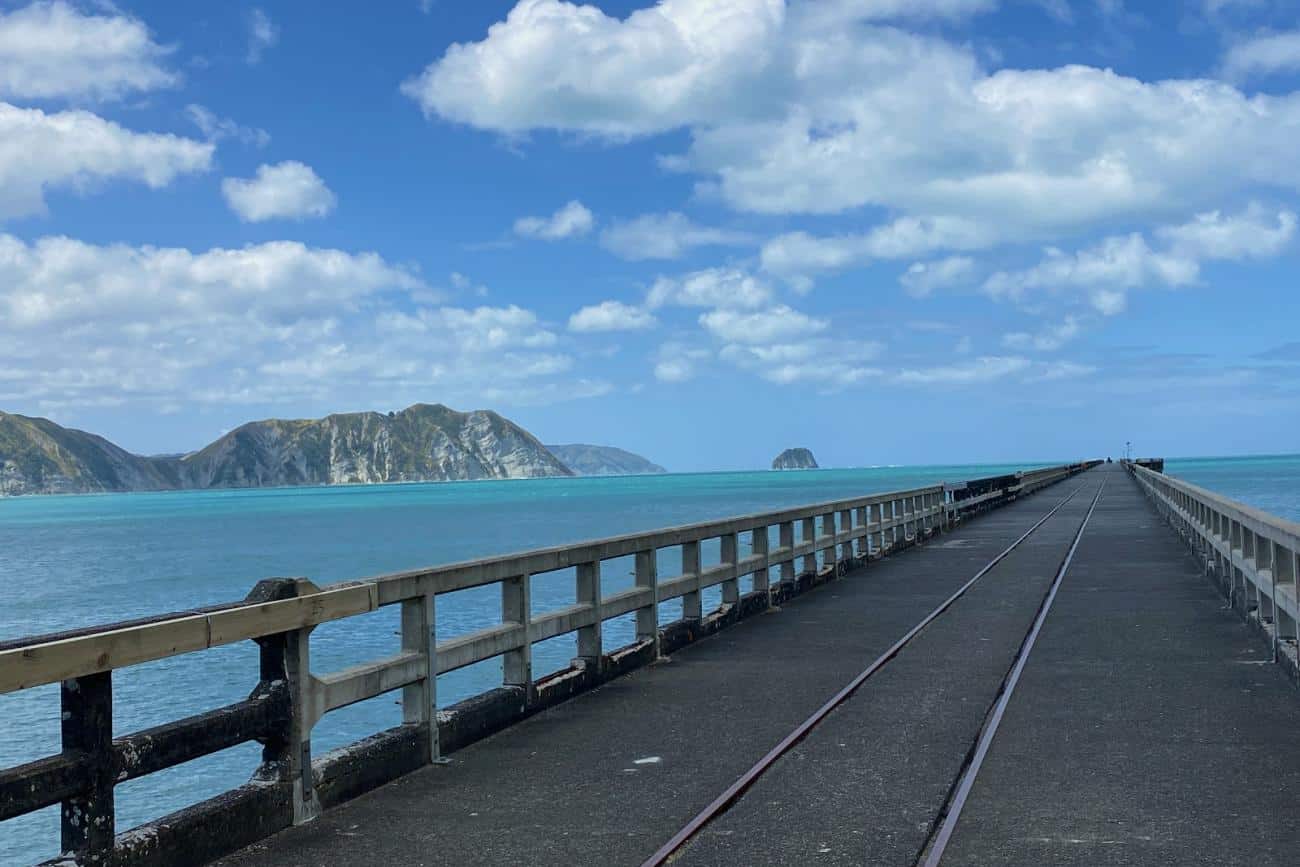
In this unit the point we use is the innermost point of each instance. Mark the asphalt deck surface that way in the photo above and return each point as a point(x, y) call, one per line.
point(1150, 725)
point(1144, 729)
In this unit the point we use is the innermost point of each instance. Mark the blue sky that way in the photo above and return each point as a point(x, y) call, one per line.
point(894, 231)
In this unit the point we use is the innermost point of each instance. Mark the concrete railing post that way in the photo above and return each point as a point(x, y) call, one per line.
point(420, 699)
point(828, 552)
point(87, 821)
point(846, 547)
point(785, 539)
point(864, 542)
point(590, 648)
point(647, 616)
point(759, 542)
point(516, 607)
point(692, 605)
point(808, 534)
point(883, 537)
point(729, 554)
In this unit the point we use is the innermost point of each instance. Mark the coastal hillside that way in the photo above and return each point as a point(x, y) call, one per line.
point(425, 442)
point(588, 460)
point(38, 456)
point(794, 459)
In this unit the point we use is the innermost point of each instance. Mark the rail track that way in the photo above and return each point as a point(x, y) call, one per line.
point(932, 853)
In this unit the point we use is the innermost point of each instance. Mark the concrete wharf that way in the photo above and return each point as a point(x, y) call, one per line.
point(1032, 669)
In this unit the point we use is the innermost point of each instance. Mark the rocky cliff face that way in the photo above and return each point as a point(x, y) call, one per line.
point(587, 460)
point(794, 459)
point(421, 443)
point(38, 456)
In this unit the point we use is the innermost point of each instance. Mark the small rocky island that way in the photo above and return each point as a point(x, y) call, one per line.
point(794, 459)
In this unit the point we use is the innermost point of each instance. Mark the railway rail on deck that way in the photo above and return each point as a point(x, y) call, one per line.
point(962, 785)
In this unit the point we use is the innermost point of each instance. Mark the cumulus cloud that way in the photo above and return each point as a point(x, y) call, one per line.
point(557, 65)
point(611, 316)
point(570, 221)
point(678, 362)
point(665, 236)
point(1253, 233)
point(1106, 271)
point(763, 326)
point(54, 51)
point(215, 128)
point(819, 108)
point(260, 324)
point(986, 368)
point(798, 256)
point(923, 278)
point(1048, 339)
point(289, 190)
point(263, 33)
point(825, 363)
point(1263, 55)
point(79, 150)
point(711, 287)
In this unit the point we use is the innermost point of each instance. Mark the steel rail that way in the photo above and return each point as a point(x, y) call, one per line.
point(720, 804)
point(962, 793)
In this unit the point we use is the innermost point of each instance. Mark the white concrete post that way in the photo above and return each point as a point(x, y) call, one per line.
point(759, 542)
point(808, 535)
point(864, 542)
point(846, 524)
point(647, 616)
point(730, 586)
point(691, 604)
point(587, 578)
point(419, 699)
point(786, 540)
point(516, 607)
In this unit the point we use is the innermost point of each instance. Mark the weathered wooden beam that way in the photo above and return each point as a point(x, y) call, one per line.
point(42, 783)
point(64, 659)
point(87, 818)
point(174, 743)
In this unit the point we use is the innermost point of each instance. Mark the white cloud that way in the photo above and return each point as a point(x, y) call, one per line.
point(78, 150)
point(678, 362)
point(62, 280)
point(711, 287)
point(1051, 338)
point(923, 278)
point(611, 316)
point(986, 368)
point(827, 364)
point(216, 128)
point(797, 255)
point(665, 236)
point(289, 190)
point(1106, 271)
point(54, 51)
point(263, 33)
point(1263, 55)
point(798, 110)
point(1254, 233)
point(570, 221)
point(262, 324)
point(558, 65)
point(764, 326)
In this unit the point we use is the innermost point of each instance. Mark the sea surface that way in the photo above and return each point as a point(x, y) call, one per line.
point(75, 561)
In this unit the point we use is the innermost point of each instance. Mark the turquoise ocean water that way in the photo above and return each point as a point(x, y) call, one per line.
point(73, 561)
